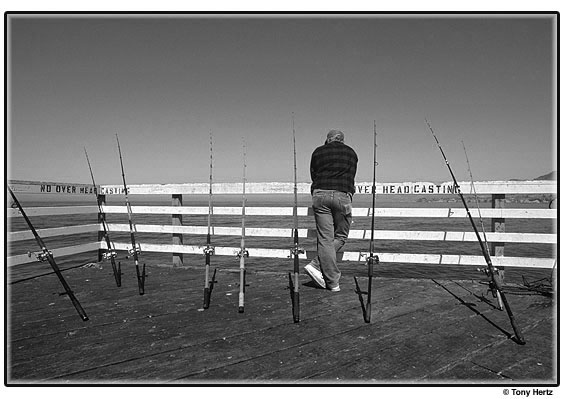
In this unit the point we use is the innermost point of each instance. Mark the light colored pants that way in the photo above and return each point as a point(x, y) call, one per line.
point(333, 216)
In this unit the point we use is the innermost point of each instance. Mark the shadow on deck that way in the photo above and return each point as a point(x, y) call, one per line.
point(422, 331)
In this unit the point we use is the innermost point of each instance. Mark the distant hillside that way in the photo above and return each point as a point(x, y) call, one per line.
point(549, 176)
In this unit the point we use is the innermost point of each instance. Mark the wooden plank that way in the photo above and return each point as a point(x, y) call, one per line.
point(357, 212)
point(37, 187)
point(201, 210)
point(511, 187)
point(101, 200)
point(452, 260)
point(53, 232)
point(460, 236)
point(498, 225)
point(54, 210)
point(199, 250)
point(510, 213)
point(203, 188)
point(361, 188)
point(536, 238)
point(177, 238)
point(482, 187)
point(202, 230)
point(57, 252)
point(445, 260)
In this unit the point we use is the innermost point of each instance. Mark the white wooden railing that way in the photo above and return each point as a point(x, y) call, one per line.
point(498, 213)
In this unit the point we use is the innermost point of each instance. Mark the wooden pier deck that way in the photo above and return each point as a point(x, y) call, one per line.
point(423, 331)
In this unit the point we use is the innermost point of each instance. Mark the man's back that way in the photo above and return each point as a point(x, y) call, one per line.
point(333, 167)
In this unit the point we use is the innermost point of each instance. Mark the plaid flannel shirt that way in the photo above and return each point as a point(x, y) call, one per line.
point(333, 167)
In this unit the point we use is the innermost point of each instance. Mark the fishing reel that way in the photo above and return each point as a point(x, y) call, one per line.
point(494, 270)
point(137, 250)
point(296, 251)
point(372, 259)
point(493, 285)
point(490, 275)
point(242, 254)
point(109, 255)
point(41, 256)
point(15, 206)
point(209, 250)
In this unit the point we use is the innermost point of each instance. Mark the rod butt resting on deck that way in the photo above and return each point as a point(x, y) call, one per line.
point(360, 294)
point(141, 279)
point(296, 307)
point(368, 313)
point(206, 298)
point(243, 283)
point(208, 290)
point(118, 274)
point(295, 298)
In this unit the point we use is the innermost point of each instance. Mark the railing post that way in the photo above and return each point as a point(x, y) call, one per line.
point(177, 258)
point(498, 226)
point(101, 198)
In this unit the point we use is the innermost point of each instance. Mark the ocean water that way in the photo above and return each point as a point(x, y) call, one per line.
point(381, 223)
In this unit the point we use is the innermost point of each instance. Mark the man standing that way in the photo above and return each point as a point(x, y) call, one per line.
point(332, 169)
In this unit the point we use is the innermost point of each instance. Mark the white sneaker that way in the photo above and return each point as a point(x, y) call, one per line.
point(335, 289)
point(315, 274)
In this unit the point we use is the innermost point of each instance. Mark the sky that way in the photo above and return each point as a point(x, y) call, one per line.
point(163, 83)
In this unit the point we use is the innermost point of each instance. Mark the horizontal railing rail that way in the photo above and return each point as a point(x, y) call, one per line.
point(356, 256)
point(410, 235)
point(506, 213)
point(497, 213)
point(53, 210)
point(29, 257)
point(361, 188)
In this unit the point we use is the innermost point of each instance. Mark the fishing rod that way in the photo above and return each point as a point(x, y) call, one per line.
point(491, 271)
point(372, 258)
point(47, 255)
point(473, 187)
point(135, 248)
point(243, 253)
point(209, 250)
point(111, 253)
point(492, 287)
point(536, 286)
point(296, 250)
